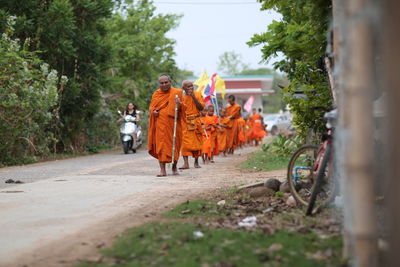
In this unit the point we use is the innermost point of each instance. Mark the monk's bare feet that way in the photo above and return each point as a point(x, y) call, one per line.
point(212, 161)
point(161, 174)
point(174, 169)
point(196, 165)
point(184, 167)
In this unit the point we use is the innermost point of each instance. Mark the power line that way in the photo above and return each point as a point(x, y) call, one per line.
point(205, 3)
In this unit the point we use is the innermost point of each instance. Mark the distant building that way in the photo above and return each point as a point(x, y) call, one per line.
point(244, 86)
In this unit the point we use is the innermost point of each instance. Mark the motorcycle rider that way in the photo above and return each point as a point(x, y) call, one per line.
point(131, 110)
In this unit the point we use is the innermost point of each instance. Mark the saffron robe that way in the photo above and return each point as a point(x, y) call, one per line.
point(232, 135)
point(161, 129)
point(258, 132)
point(192, 138)
point(222, 133)
point(209, 138)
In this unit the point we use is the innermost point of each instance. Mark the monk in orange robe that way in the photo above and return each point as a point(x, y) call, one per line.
point(223, 124)
point(249, 131)
point(161, 124)
point(192, 139)
point(210, 121)
point(258, 129)
point(233, 112)
point(241, 136)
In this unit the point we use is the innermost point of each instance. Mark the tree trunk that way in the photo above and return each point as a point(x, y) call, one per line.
point(391, 81)
point(355, 130)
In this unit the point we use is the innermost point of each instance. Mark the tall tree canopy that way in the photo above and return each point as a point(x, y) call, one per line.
point(140, 51)
point(69, 34)
point(112, 52)
point(301, 36)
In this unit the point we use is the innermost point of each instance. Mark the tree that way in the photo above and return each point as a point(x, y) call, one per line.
point(301, 37)
point(28, 97)
point(140, 52)
point(230, 63)
point(68, 34)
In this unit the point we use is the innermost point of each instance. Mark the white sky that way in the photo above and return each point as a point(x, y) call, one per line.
point(210, 28)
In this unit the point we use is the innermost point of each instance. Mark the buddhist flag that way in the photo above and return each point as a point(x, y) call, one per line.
point(209, 91)
point(220, 86)
point(202, 82)
point(249, 104)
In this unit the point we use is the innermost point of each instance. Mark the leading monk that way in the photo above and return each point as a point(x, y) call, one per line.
point(192, 139)
point(161, 124)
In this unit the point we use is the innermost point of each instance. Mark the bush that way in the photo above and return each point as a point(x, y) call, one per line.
point(283, 146)
point(28, 101)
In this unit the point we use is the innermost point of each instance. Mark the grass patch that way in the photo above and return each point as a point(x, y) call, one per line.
point(193, 209)
point(175, 244)
point(265, 161)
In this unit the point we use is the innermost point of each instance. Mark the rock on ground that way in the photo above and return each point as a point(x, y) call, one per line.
point(273, 184)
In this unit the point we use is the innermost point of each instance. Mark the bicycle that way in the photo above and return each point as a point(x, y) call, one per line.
point(309, 172)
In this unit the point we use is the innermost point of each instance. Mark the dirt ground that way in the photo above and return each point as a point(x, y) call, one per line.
point(94, 206)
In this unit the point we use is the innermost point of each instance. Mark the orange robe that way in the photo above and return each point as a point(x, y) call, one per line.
point(232, 135)
point(241, 136)
point(249, 130)
point(209, 139)
point(161, 129)
point(258, 132)
point(192, 139)
point(222, 132)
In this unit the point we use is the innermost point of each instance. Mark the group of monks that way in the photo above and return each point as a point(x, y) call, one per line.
point(199, 132)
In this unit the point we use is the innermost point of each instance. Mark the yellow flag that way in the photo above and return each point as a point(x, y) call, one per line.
point(202, 82)
point(220, 86)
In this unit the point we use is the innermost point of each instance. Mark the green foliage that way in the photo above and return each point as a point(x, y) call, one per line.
point(110, 58)
point(28, 96)
point(175, 244)
point(265, 161)
point(140, 52)
point(301, 37)
point(68, 34)
point(283, 146)
point(230, 63)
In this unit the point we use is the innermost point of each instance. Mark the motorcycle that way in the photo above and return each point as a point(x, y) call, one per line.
point(131, 133)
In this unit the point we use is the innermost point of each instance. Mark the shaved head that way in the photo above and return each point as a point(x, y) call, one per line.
point(186, 83)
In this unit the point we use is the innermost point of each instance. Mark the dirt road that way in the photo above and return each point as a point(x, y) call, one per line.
point(67, 209)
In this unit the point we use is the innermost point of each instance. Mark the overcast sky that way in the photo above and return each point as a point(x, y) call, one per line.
point(209, 28)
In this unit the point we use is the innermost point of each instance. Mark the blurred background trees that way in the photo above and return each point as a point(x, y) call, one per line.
point(110, 51)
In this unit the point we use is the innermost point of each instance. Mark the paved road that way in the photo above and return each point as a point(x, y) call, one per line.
point(73, 166)
point(60, 198)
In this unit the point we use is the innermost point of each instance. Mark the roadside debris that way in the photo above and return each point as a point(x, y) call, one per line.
point(198, 234)
point(248, 222)
point(221, 203)
point(11, 181)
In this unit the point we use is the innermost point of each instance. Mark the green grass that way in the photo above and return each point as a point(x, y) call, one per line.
point(174, 244)
point(265, 161)
point(193, 209)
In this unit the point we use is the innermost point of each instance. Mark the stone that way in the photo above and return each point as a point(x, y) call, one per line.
point(273, 184)
point(284, 187)
point(291, 202)
point(261, 191)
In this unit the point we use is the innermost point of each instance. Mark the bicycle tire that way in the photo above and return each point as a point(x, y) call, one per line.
point(318, 182)
point(291, 166)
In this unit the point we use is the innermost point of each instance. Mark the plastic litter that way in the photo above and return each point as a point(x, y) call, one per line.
point(198, 234)
point(248, 222)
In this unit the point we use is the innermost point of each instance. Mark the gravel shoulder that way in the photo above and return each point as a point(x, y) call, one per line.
point(78, 205)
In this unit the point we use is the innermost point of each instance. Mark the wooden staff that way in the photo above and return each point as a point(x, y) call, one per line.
point(174, 136)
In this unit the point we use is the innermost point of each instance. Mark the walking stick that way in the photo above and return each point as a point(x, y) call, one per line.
point(174, 136)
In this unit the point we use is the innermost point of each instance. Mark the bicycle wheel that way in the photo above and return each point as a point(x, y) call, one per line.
point(324, 186)
point(300, 174)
